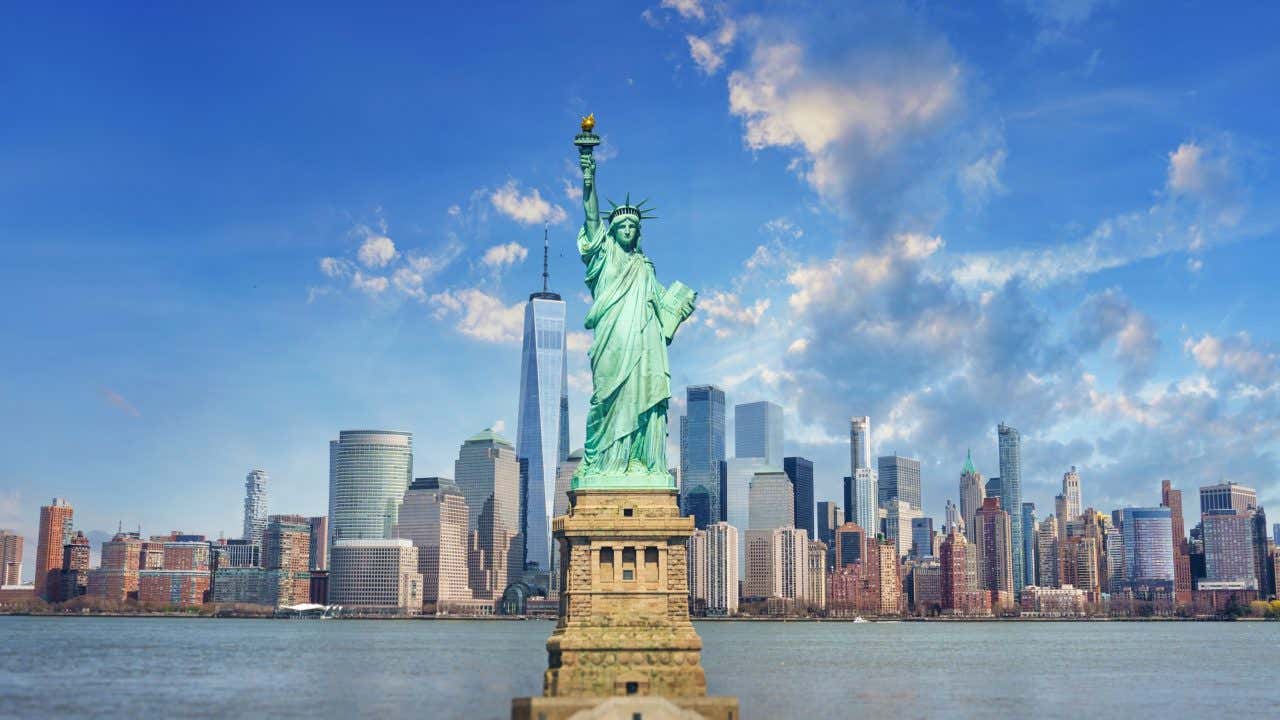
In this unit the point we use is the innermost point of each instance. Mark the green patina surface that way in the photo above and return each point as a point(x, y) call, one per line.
point(634, 319)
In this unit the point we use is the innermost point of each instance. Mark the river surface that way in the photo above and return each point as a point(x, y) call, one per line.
point(220, 668)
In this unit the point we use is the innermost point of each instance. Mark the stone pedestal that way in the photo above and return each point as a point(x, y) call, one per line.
point(624, 626)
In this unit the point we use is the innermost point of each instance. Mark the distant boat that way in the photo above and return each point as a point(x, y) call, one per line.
point(859, 619)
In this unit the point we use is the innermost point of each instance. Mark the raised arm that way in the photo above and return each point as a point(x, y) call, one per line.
point(590, 203)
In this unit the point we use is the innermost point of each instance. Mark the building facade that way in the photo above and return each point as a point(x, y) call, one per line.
point(1227, 496)
point(542, 436)
point(800, 471)
point(255, 506)
point(10, 558)
point(898, 478)
point(55, 530)
point(1228, 547)
point(993, 540)
point(375, 575)
point(1148, 553)
point(720, 568)
point(1010, 445)
point(488, 474)
point(369, 471)
point(701, 454)
point(434, 518)
point(972, 493)
point(757, 431)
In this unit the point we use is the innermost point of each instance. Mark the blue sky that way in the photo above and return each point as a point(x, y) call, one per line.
point(227, 236)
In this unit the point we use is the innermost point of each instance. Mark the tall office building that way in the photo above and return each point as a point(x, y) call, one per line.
point(434, 519)
point(757, 431)
point(800, 471)
point(255, 506)
point(1048, 567)
point(1071, 497)
point(952, 518)
point(993, 488)
point(829, 518)
point(488, 474)
point(816, 594)
point(735, 495)
point(860, 499)
point(1228, 547)
point(994, 543)
point(543, 434)
point(1011, 498)
point(897, 525)
point(1227, 496)
point(1148, 554)
point(777, 564)
point(55, 532)
point(898, 478)
point(972, 492)
point(369, 470)
point(1060, 511)
point(701, 454)
point(772, 501)
point(921, 537)
point(851, 545)
point(10, 558)
point(721, 569)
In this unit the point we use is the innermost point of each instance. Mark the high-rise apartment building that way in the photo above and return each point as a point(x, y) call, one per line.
point(286, 555)
point(800, 471)
point(74, 580)
point(1048, 568)
point(757, 431)
point(860, 499)
point(899, 515)
point(696, 559)
point(375, 575)
point(117, 576)
point(255, 506)
point(701, 454)
point(55, 531)
point(859, 442)
point(816, 593)
point(898, 478)
point(10, 558)
point(1227, 496)
point(488, 474)
point(1029, 542)
point(972, 493)
point(994, 541)
point(1010, 443)
point(1172, 499)
point(1228, 547)
point(720, 568)
point(369, 470)
point(434, 518)
point(542, 438)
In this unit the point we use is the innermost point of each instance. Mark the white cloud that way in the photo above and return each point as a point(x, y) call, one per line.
point(500, 256)
point(369, 284)
point(498, 426)
point(335, 267)
point(1199, 171)
point(724, 312)
point(798, 346)
point(376, 251)
point(1238, 355)
point(572, 190)
point(480, 315)
point(526, 209)
point(688, 9)
point(705, 54)
point(980, 179)
point(578, 341)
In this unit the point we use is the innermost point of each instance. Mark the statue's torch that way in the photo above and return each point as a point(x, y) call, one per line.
point(587, 140)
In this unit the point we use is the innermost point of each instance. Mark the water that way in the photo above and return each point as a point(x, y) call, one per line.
point(178, 667)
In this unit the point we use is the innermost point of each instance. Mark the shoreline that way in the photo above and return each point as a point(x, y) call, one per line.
point(520, 618)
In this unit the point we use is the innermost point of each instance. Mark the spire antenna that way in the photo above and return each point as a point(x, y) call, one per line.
point(545, 245)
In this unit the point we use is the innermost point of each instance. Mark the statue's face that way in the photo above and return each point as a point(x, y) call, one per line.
point(627, 233)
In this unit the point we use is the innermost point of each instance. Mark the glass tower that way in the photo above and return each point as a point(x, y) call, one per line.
point(757, 431)
point(1011, 498)
point(1148, 554)
point(543, 434)
point(255, 506)
point(898, 479)
point(861, 493)
point(701, 452)
point(369, 471)
point(800, 470)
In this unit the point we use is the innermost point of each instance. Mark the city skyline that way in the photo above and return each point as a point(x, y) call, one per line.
point(268, 294)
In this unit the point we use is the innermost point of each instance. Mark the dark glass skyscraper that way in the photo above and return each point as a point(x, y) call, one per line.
point(1011, 498)
point(701, 452)
point(800, 471)
point(899, 479)
point(542, 438)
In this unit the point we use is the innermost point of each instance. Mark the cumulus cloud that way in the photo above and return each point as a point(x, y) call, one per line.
point(980, 179)
point(335, 267)
point(500, 256)
point(480, 315)
point(689, 9)
point(578, 342)
point(1194, 170)
point(1238, 356)
point(369, 284)
point(525, 208)
point(724, 312)
point(377, 251)
point(1108, 316)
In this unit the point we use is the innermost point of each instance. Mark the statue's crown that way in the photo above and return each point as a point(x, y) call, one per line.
point(626, 209)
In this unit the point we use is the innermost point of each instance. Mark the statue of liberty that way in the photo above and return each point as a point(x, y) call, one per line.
point(634, 319)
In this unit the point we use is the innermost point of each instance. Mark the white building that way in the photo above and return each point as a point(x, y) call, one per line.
point(777, 564)
point(897, 524)
point(720, 569)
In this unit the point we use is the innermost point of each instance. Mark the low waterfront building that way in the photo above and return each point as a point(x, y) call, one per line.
point(183, 588)
point(375, 575)
point(1065, 601)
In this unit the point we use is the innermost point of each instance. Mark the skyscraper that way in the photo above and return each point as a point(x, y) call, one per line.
point(701, 453)
point(897, 524)
point(1148, 554)
point(255, 506)
point(1228, 547)
point(859, 442)
point(829, 518)
point(860, 499)
point(1227, 496)
point(921, 537)
point(319, 542)
point(952, 518)
point(993, 540)
point(434, 519)
point(543, 434)
point(721, 569)
point(1029, 542)
point(1172, 499)
point(757, 431)
point(772, 501)
point(800, 471)
point(1011, 498)
point(55, 532)
point(369, 470)
point(1071, 494)
point(286, 554)
point(10, 558)
point(735, 495)
point(488, 474)
point(1048, 566)
point(851, 545)
point(972, 493)
point(898, 478)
